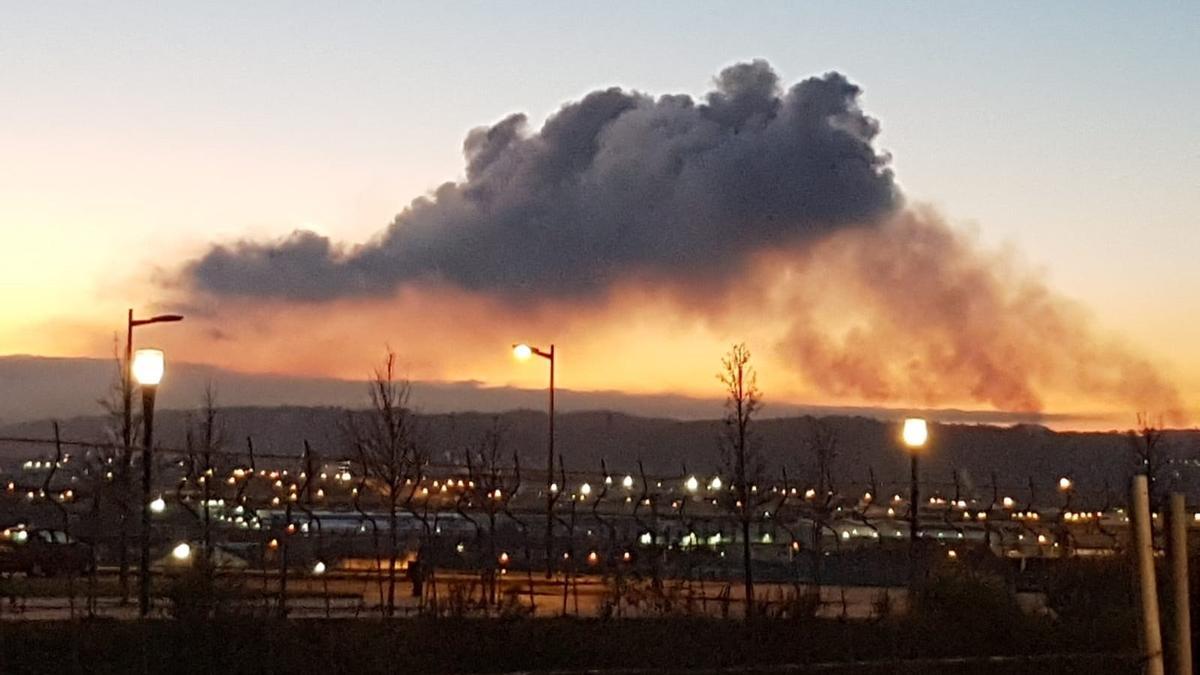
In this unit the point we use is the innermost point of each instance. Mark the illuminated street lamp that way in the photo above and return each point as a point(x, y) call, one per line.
point(524, 352)
point(915, 435)
point(128, 375)
point(148, 366)
point(1067, 487)
point(127, 378)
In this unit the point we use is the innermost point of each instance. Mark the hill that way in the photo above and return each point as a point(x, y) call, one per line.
point(1014, 453)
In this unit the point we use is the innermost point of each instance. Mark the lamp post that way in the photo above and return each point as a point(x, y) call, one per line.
point(523, 352)
point(127, 426)
point(127, 389)
point(1067, 487)
point(147, 367)
point(915, 435)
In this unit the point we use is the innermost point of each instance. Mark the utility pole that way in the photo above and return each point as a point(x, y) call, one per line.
point(1179, 584)
point(1152, 649)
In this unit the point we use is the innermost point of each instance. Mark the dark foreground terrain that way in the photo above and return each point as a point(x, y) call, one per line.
point(556, 645)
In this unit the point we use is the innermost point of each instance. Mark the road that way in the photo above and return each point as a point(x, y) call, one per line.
point(345, 595)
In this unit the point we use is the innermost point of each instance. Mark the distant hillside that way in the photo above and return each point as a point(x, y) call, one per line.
point(975, 451)
point(37, 388)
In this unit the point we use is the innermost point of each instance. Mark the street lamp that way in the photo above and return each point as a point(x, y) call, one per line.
point(915, 435)
point(1067, 487)
point(127, 377)
point(127, 391)
point(524, 352)
point(147, 367)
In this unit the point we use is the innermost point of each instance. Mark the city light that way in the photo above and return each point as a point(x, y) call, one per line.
point(319, 568)
point(181, 551)
point(1064, 483)
point(627, 482)
point(522, 352)
point(158, 504)
point(692, 484)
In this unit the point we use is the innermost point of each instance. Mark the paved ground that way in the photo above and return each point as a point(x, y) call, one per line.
point(341, 595)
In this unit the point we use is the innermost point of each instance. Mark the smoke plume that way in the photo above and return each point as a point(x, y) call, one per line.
point(615, 183)
point(914, 310)
point(753, 209)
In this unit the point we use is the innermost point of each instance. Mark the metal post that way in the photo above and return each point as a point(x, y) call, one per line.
point(1179, 584)
point(914, 523)
point(550, 475)
point(126, 457)
point(286, 540)
point(1144, 545)
point(147, 463)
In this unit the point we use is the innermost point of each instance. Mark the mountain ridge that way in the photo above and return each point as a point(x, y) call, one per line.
point(38, 387)
point(1016, 455)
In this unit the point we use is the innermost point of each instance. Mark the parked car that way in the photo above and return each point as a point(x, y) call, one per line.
point(42, 552)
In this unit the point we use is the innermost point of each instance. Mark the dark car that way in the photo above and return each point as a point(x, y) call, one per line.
point(41, 552)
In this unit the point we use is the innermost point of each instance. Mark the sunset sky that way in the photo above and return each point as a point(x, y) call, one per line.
point(1040, 251)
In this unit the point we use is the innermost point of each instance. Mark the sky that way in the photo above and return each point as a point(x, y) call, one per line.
point(1056, 142)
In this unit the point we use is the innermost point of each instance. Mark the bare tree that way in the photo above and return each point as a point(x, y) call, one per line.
point(116, 458)
point(738, 452)
point(821, 444)
point(490, 489)
point(389, 455)
point(1147, 444)
point(212, 438)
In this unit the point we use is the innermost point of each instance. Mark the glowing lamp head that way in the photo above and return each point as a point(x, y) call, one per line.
point(1064, 483)
point(692, 484)
point(319, 568)
point(181, 552)
point(915, 432)
point(148, 366)
point(522, 352)
point(158, 504)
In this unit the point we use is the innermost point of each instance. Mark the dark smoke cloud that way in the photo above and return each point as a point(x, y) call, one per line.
point(617, 183)
point(752, 207)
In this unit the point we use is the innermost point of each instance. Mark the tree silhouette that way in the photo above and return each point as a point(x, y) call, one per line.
point(739, 457)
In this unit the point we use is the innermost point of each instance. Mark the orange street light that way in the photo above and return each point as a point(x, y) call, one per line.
point(523, 352)
point(127, 381)
point(915, 434)
point(148, 367)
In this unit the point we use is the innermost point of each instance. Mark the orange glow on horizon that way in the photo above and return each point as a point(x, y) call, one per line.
point(670, 341)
